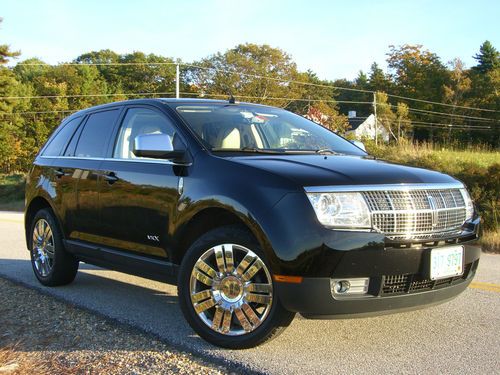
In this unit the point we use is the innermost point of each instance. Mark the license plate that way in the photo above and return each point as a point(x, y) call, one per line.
point(447, 262)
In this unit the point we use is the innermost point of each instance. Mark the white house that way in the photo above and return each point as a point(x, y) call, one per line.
point(364, 127)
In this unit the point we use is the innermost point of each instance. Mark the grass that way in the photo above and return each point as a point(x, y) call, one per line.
point(12, 192)
point(490, 241)
point(450, 158)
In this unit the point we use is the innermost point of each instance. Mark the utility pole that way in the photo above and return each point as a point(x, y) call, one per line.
point(177, 81)
point(399, 129)
point(375, 113)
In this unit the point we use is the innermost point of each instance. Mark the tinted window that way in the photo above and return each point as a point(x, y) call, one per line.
point(249, 128)
point(61, 138)
point(136, 122)
point(95, 134)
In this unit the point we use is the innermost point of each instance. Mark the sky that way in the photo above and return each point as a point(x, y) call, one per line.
point(333, 38)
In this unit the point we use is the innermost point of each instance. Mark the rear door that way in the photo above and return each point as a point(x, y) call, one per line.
point(61, 171)
point(85, 156)
point(138, 196)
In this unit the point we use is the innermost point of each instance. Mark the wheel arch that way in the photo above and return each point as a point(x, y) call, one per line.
point(36, 204)
point(209, 218)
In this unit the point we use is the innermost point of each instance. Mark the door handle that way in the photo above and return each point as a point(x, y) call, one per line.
point(111, 178)
point(59, 172)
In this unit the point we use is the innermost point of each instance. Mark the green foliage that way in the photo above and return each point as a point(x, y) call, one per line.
point(488, 58)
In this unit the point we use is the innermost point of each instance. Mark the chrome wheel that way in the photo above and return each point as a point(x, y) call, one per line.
point(43, 247)
point(231, 289)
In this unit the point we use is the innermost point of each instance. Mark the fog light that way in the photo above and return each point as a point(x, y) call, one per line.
point(341, 286)
point(347, 287)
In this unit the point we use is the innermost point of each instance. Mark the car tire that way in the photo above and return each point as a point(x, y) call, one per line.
point(240, 309)
point(52, 264)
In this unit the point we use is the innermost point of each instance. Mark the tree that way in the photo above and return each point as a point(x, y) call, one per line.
point(240, 71)
point(361, 80)
point(378, 80)
point(314, 90)
point(9, 141)
point(323, 114)
point(456, 90)
point(403, 121)
point(417, 72)
point(488, 58)
point(385, 115)
point(5, 52)
point(133, 73)
point(485, 78)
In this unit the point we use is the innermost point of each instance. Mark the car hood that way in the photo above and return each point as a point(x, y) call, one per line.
point(321, 170)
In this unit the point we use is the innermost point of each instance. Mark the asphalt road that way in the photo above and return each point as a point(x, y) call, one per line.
point(461, 336)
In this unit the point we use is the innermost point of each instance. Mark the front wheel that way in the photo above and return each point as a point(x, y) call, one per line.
point(226, 291)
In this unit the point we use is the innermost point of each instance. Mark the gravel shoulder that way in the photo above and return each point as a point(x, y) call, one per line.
point(40, 334)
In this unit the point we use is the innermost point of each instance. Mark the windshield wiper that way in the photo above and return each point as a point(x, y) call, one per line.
point(247, 149)
point(324, 151)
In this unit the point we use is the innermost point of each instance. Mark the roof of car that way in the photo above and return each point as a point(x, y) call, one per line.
point(157, 100)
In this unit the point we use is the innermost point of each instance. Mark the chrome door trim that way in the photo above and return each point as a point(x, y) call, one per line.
point(144, 160)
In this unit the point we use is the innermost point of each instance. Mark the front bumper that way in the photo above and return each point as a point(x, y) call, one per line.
point(390, 291)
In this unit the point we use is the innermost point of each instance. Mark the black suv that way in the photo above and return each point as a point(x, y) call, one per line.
point(254, 212)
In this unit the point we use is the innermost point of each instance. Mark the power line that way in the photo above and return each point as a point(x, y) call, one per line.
point(451, 125)
point(83, 95)
point(98, 64)
point(277, 79)
point(452, 128)
point(289, 99)
point(424, 111)
point(238, 96)
point(338, 88)
point(443, 104)
point(262, 77)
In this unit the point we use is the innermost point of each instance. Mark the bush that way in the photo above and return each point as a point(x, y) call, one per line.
point(12, 191)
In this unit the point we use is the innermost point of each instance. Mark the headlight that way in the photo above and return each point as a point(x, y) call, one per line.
point(341, 210)
point(469, 205)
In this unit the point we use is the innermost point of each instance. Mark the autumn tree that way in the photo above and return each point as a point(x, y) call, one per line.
point(417, 72)
point(258, 72)
point(323, 114)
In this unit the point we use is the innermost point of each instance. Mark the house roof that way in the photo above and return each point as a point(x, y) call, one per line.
point(355, 122)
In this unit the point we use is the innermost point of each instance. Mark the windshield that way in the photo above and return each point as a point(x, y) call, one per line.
point(251, 128)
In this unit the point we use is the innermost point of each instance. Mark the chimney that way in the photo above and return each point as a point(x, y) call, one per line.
point(351, 114)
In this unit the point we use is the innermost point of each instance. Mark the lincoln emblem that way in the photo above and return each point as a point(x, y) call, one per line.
point(433, 207)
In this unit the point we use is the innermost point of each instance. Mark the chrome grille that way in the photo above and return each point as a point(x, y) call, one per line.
point(417, 214)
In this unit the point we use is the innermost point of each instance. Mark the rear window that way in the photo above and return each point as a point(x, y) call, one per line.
point(58, 143)
point(95, 134)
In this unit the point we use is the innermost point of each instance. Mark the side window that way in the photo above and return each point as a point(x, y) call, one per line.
point(61, 138)
point(95, 134)
point(139, 121)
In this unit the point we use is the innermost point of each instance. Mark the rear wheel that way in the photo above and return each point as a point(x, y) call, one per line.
point(52, 265)
point(226, 290)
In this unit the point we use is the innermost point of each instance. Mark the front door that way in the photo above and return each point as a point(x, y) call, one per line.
point(138, 196)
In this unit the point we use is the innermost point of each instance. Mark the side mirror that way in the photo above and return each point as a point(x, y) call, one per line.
point(359, 144)
point(157, 146)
